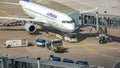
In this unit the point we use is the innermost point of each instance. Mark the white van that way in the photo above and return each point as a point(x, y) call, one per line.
point(16, 43)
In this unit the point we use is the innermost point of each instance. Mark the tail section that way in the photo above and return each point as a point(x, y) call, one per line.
point(26, 0)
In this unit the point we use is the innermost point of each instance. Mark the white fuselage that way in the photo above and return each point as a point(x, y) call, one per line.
point(49, 16)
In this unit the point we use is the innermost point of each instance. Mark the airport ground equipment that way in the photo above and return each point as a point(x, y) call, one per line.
point(82, 62)
point(40, 42)
point(103, 36)
point(56, 46)
point(101, 22)
point(54, 58)
point(70, 37)
point(17, 43)
point(68, 60)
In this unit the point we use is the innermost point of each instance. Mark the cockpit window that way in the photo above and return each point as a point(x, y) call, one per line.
point(67, 21)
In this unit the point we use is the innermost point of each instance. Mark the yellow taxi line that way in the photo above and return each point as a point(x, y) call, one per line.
point(3, 11)
point(88, 48)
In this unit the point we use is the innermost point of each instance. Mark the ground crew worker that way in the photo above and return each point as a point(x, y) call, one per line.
point(47, 33)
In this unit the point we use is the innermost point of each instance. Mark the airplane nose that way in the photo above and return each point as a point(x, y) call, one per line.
point(71, 28)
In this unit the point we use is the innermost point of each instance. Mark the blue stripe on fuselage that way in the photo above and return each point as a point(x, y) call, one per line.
point(26, 0)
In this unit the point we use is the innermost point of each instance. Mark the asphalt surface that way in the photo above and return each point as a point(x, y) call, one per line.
point(87, 48)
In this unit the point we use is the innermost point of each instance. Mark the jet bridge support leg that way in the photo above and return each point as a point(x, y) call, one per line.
point(102, 32)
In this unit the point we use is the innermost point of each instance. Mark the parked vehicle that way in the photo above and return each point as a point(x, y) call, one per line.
point(17, 43)
point(40, 42)
point(56, 46)
point(82, 62)
point(54, 58)
point(70, 37)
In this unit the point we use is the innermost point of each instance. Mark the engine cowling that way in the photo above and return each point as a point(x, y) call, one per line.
point(30, 27)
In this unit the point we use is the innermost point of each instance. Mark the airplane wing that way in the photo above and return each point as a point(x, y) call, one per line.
point(17, 19)
point(87, 11)
point(24, 19)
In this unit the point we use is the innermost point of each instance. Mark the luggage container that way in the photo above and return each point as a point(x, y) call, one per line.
point(40, 42)
point(55, 58)
point(68, 60)
point(82, 62)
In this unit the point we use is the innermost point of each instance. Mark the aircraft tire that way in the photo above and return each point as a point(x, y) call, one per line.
point(101, 41)
point(8, 46)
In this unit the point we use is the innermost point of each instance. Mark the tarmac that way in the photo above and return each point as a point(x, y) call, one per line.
point(88, 48)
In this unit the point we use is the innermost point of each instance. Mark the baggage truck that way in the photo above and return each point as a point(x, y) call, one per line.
point(56, 46)
point(16, 43)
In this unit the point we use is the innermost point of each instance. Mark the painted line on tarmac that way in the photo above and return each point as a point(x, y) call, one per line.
point(6, 13)
point(2, 11)
point(88, 48)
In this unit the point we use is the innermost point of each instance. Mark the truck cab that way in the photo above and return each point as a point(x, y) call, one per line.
point(55, 45)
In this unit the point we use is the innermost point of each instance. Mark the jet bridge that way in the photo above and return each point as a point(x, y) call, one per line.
point(75, 16)
point(111, 21)
point(101, 22)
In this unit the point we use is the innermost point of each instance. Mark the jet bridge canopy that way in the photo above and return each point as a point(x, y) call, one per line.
point(75, 16)
point(111, 21)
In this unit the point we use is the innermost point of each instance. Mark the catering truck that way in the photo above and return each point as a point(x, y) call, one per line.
point(16, 43)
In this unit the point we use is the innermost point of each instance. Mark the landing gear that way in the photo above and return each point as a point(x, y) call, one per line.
point(63, 35)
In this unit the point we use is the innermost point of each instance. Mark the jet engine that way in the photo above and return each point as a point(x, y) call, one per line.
point(30, 27)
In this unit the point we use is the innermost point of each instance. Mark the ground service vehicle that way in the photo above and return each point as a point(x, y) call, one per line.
point(56, 46)
point(16, 43)
point(70, 37)
point(40, 42)
point(103, 38)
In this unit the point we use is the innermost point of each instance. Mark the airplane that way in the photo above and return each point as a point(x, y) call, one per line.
point(45, 17)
